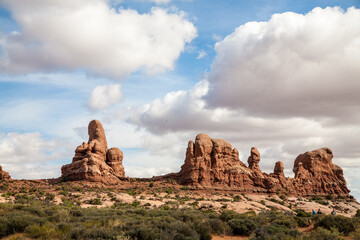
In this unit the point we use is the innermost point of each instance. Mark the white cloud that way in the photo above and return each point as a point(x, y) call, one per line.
point(294, 65)
point(160, 1)
point(30, 155)
point(16, 148)
point(286, 86)
point(201, 54)
point(89, 35)
point(103, 97)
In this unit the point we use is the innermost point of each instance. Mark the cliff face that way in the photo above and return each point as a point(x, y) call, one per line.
point(214, 164)
point(93, 160)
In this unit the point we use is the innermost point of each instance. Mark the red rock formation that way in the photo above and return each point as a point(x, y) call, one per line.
point(93, 161)
point(214, 164)
point(279, 168)
point(4, 176)
point(114, 157)
point(316, 174)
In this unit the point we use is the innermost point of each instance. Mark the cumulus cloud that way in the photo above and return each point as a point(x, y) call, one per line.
point(294, 65)
point(279, 85)
point(104, 96)
point(30, 155)
point(89, 35)
point(16, 148)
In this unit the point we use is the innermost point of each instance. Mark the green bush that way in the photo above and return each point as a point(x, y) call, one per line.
point(342, 224)
point(323, 234)
point(243, 227)
point(218, 227)
point(204, 230)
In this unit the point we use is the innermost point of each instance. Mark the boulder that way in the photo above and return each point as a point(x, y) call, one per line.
point(93, 161)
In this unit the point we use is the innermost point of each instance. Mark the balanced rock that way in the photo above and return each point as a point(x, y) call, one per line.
point(4, 175)
point(93, 161)
point(316, 174)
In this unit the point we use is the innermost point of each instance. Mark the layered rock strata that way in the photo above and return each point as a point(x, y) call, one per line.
point(4, 176)
point(93, 161)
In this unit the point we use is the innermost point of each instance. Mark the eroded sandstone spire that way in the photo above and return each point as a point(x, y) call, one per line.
point(93, 161)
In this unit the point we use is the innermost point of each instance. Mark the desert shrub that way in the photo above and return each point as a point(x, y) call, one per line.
point(142, 232)
point(17, 222)
point(204, 231)
point(323, 234)
point(227, 215)
point(275, 231)
point(95, 201)
point(302, 213)
point(45, 231)
point(342, 224)
point(243, 227)
point(237, 198)
point(302, 221)
point(357, 213)
point(218, 227)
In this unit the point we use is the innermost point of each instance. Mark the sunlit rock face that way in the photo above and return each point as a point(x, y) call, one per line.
point(93, 161)
point(215, 164)
point(316, 174)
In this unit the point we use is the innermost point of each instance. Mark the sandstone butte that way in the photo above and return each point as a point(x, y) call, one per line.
point(212, 164)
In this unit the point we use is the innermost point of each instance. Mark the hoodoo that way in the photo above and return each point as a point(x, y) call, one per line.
point(93, 161)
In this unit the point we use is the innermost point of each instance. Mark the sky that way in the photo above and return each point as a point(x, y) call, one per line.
point(283, 76)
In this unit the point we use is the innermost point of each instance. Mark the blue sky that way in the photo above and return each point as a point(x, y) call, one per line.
point(156, 73)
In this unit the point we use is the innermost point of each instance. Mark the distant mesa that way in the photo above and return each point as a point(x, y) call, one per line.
point(4, 176)
point(93, 161)
point(213, 164)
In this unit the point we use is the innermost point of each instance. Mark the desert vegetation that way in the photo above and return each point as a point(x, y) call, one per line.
point(41, 218)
